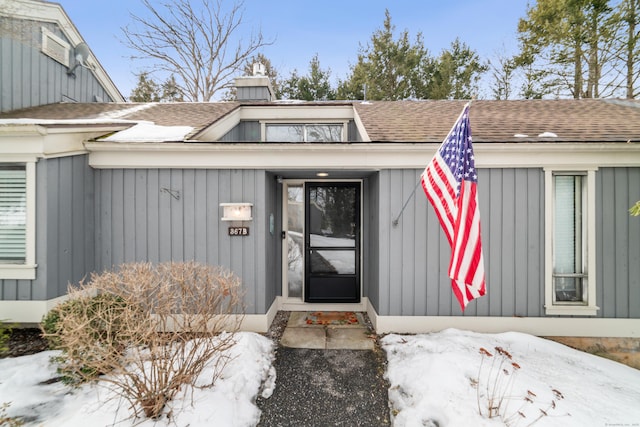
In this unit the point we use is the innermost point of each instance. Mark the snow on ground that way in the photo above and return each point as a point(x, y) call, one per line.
point(230, 402)
point(433, 383)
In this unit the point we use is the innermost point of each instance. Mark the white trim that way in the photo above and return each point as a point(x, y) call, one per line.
point(356, 156)
point(18, 271)
point(27, 311)
point(551, 309)
point(364, 135)
point(259, 322)
point(31, 140)
point(31, 218)
point(221, 127)
point(539, 326)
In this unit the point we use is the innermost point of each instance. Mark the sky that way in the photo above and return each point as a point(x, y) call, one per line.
point(299, 29)
point(436, 379)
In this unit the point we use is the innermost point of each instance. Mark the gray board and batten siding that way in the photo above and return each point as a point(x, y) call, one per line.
point(618, 242)
point(90, 220)
point(30, 78)
point(413, 256)
point(64, 229)
point(161, 215)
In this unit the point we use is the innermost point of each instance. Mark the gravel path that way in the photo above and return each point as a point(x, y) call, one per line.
point(326, 387)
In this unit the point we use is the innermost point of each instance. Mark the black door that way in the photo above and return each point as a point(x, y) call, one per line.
point(332, 242)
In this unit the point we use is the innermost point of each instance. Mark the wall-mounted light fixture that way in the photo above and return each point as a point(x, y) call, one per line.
point(236, 211)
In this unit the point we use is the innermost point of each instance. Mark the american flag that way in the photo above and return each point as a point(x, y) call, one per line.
point(450, 182)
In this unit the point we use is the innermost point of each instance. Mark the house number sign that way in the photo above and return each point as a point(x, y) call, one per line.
point(238, 231)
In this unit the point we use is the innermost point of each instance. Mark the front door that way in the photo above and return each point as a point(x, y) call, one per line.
point(332, 242)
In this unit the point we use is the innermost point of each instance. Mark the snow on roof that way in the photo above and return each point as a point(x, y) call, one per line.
point(116, 114)
point(150, 132)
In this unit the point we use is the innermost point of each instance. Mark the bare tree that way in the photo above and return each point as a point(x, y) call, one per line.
point(198, 41)
point(503, 73)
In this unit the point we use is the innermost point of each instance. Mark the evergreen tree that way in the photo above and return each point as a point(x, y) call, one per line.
point(571, 40)
point(456, 73)
point(389, 68)
point(170, 91)
point(147, 90)
point(315, 86)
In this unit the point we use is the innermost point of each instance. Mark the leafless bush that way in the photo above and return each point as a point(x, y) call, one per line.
point(150, 328)
point(494, 388)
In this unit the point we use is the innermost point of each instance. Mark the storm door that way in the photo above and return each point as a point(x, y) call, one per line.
point(332, 242)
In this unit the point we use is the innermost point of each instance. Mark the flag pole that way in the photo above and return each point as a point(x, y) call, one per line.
point(395, 221)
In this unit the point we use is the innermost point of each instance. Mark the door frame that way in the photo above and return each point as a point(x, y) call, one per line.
point(299, 303)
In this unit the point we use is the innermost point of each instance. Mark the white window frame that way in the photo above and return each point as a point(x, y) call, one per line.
point(589, 307)
point(26, 270)
point(343, 135)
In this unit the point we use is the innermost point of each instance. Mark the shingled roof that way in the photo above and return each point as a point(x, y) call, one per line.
point(500, 121)
point(195, 114)
point(587, 120)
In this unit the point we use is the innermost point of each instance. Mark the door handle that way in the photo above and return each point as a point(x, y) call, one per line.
point(283, 234)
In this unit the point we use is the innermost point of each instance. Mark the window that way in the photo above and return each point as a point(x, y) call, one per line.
point(570, 259)
point(17, 221)
point(568, 231)
point(303, 132)
point(13, 214)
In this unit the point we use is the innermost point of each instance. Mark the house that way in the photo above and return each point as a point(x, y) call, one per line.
point(302, 200)
point(44, 60)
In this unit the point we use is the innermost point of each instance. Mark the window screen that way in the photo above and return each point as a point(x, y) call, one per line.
point(13, 214)
point(568, 243)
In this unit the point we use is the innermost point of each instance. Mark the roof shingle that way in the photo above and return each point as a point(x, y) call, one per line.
point(586, 120)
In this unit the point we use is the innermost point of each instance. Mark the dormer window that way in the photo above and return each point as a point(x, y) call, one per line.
point(302, 132)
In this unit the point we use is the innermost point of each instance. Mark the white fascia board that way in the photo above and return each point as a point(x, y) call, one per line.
point(54, 13)
point(556, 155)
point(39, 141)
point(361, 128)
point(297, 112)
point(357, 156)
point(220, 128)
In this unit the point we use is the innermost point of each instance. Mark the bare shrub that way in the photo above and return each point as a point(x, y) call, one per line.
point(494, 388)
point(151, 328)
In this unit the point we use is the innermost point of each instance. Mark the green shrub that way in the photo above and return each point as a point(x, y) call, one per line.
point(101, 316)
point(5, 334)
